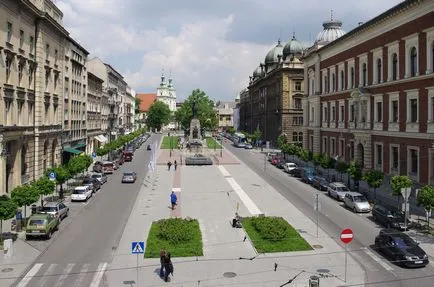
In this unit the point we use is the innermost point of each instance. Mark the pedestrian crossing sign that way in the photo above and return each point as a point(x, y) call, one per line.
point(138, 247)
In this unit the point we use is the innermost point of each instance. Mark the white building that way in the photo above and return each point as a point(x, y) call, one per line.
point(167, 94)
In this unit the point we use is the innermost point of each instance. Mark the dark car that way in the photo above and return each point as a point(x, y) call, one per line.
point(388, 218)
point(400, 248)
point(280, 163)
point(93, 183)
point(307, 175)
point(148, 147)
point(296, 172)
point(320, 183)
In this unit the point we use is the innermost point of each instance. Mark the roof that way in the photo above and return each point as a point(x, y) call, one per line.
point(146, 100)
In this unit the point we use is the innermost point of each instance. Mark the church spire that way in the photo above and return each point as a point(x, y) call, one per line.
point(170, 79)
point(163, 78)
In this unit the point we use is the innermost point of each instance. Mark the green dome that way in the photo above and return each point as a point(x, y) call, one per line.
point(293, 47)
point(272, 55)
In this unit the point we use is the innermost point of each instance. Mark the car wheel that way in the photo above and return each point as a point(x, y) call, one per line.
point(374, 218)
point(49, 234)
point(27, 237)
point(328, 192)
point(354, 209)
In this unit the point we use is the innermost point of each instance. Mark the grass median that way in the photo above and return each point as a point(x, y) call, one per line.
point(273, 234)
point(168, 142)
point(212, 143)
point(180, 237)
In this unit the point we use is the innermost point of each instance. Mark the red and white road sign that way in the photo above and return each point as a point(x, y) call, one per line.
point(347, 236)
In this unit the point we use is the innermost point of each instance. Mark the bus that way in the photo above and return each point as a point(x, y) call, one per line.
point(239, 140)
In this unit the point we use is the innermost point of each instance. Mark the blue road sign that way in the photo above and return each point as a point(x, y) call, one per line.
point(138, 247)
point(94, 154)
point(52, 176)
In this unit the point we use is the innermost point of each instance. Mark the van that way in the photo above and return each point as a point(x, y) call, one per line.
point(107, 167)
point(128, 155)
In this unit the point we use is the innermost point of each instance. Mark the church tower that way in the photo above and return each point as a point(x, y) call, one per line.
point(166, 93)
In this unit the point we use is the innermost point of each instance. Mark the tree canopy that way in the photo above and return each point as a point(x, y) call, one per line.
point(158, 115)
point(205, 111)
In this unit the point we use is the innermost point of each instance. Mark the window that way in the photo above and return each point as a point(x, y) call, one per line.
point(333, 83)
point(326, 118)
point(20, 73)
point(294, 137)
point(8, 63)
point(47, 79)
point(413, 110)
point(31, 43)
point(378, 71)
point(394, 158)
point(31, 70)
point(333, 146)
point(394, 111)
point(47, 52)
point(9, 35)
point(341, 147)
point(413, 62)
point(379, 154)
point(364, 74)
point(324, 146)
point(23, 161)
point(21, 38)
point(56, 78)
point(20, 111)
point(300, 137)
point(394, 67)
point(342, 118)
point(298, 86)
point(342, 80)
point(55, 56)
point(297, 104)
point(312, 115)
point(414, 161)
point(432, 57)
point(352, 77)
point(379, 112)
point(333, 114)
point(326, 84)
point(352, 113)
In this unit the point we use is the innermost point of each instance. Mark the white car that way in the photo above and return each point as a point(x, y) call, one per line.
point(357, 202)
point(288, 166)
point(101, 177)
point(81, 193)
point(337, 190)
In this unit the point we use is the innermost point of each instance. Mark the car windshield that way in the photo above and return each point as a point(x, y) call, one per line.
point(342, 188)
point(49, 209)
point(96, 176)
point(37, 222)
point(128, 174)
point(403, 242)
point(87, 181)
point(78, 191)
point(360, 198)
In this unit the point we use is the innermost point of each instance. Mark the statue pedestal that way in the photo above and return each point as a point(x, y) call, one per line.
point(195, 130)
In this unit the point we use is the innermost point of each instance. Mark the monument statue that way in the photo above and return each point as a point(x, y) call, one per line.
point(194, 109)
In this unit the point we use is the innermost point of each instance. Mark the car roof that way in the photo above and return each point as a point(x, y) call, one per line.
point(97, 173)
point(353, 193)
point(337, 184)
point(39, 216)
point(393, 233)
point(125, 172)
point(51, 204)
point(81, 187)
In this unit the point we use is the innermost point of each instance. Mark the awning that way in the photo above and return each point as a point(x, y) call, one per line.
point(80, 145)
point(72, 150)
point(101, 138)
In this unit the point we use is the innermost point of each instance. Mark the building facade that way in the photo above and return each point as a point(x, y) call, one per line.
point(274, 99)
point(128, 111)
point(74, 137)
point(166, 93)
point(225, 114)
point(370, 93)
point(32, 43)
point(95, 136)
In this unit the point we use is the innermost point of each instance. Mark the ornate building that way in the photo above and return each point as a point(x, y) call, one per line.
point(95, 136)
point(166, 93)
point(370, 92)
point(32, 44)
point(273, 102)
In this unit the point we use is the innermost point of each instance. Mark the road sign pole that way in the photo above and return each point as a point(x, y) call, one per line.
point(346, 254)
point(265, 162)
point(317, 213)
point(137, 270)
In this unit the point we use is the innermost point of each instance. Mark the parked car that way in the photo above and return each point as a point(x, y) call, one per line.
point(107, 167)
point(400, 248)
point(57, 209)
point(296, 172)
point(128, 155)
point(148, 147)
point(276, 159)
point(129, 177)
point(320, 183)
point(280, 163)
point(41, 225)
point(81, 193)
point(97, 166)
point(93, 183)
point(307, 175)
point(288, 166)
point(102, 178)
point(248, 146)
point(337, 190)
point(388, 218)
point(270, 156)
point(357, 202)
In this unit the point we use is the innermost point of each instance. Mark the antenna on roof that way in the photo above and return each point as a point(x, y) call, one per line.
point(331, 15)
point(280, 36)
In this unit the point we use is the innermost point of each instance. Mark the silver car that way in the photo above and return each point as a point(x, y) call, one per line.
point(357, 202)
point(102, 178)
point(337, 190)
point(57, 209)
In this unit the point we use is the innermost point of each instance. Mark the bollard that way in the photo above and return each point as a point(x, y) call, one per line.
point(314, 281)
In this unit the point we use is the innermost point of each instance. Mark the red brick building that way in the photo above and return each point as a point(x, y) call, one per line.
point(370, 93)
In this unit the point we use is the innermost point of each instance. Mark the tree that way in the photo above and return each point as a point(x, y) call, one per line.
point(230, 130)
point(206, 112)
point(137, 102)
point(256, 135)
point(7, 211)
point(304, 155)
point(355, 171)
point(317, 158)
point(341, 167)
point(24, 195)
point(374, 179)
point(327, 162)
point(44, 186)
point(425, 198)
point(158, 115)
point(281, 141)
point(397, 183)
point(62, 176)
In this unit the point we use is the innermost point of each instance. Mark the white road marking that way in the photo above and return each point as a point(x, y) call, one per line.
point(248, 202)
point(47, 274)
point(32, 272)
point(98, 276)
point(65, 274)
point(82, 275)
point(176, 189)
point(378, 260)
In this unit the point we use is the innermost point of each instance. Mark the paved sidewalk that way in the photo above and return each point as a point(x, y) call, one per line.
point(212, 194)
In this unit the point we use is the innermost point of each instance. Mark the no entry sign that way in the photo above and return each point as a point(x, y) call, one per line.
point(347, 236)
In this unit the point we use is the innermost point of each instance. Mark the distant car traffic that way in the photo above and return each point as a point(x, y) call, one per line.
point(248, 146)
point(129, 177)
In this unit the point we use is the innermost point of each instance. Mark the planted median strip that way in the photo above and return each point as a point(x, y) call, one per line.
point(273, 234)
point(181, 237)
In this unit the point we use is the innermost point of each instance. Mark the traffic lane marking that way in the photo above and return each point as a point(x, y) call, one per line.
point(379, 260)
point(32, 272)
point(98, 276)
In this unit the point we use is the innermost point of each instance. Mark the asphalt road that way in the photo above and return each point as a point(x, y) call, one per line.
point(333, 218)
point(84, 245)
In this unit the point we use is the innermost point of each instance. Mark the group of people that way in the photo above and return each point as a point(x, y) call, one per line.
point(169, 165)
point(166, 267)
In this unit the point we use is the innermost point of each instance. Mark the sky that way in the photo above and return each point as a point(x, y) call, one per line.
point(213, 45)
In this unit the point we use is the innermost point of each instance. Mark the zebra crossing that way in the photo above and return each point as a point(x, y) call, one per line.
point(64, 275)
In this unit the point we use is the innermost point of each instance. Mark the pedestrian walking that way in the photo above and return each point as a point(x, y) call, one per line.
point(169, 164)
point(168, 266)
point(175, 164)
point(173, 199)
point(162, 257)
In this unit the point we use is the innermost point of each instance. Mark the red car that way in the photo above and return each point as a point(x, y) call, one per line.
point(128, 156)
point(276, 160)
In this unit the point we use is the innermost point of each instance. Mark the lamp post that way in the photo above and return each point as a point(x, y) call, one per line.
point(221, 148)
point(170, 138)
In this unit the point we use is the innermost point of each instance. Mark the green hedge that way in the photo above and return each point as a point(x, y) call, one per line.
point(119, 142)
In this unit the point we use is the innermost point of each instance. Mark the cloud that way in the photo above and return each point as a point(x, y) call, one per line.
point(211, 45)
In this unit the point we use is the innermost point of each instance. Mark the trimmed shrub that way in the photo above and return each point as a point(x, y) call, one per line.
point(175, 230)
point(271, 228)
